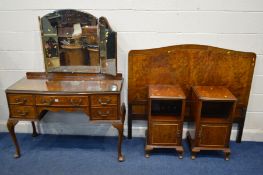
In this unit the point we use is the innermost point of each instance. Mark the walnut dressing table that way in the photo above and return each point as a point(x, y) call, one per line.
point(98, 97)
point(80, 54)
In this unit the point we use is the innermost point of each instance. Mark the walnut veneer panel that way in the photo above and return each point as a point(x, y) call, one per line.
point(190, 65)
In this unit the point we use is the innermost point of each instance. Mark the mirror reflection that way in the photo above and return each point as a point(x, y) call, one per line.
point(75, 41)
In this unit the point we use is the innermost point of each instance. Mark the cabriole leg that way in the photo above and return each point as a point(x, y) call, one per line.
point(119, 127)
point(193, 156)
point(148, 149)
point(11, 128)
point(180, 154)
point(227, 155)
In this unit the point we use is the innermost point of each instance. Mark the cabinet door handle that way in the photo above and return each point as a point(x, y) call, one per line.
point(20, 101)
point(22, 113)
point(47, 102)
point(104, 114)
point(76, 102)
point(104, 101)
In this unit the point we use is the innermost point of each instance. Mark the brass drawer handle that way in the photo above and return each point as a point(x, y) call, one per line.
point(20, 101)
point(76, 102)
point(22, 113)
point(104, 114)
point(47, 102)
point(104, 101)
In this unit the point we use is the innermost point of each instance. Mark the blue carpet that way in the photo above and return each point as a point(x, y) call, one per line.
point(69, 155)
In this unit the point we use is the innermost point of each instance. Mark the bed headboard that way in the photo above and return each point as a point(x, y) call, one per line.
point(188, 65)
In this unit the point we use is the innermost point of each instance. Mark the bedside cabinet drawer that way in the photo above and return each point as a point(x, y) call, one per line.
point(26, 112)
point(102, 100)
point(104, 113)
point(17, 99)
point(62, 100)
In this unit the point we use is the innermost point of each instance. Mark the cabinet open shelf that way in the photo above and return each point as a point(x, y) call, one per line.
point(216, 110)
point(170, 108)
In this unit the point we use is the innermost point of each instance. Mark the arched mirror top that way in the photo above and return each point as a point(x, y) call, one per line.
point(75, 41)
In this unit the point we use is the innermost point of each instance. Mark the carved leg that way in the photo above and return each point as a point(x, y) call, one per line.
point(11, 128)
point(119, 127)
point(34, 134)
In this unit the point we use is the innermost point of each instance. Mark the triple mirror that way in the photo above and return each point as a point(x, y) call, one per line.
point(75, 41)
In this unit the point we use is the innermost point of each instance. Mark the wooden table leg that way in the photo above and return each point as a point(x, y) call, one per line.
point(119, 127)
point(11, 128)
point(34, 134)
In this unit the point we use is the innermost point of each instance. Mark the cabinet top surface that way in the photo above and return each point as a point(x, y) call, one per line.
point(213, 93)
point(46, 86)
point(166, 91)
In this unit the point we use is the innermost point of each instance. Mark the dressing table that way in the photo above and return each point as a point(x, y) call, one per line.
point(81, 74)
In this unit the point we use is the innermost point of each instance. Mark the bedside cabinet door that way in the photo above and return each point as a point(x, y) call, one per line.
point(165, 133)
point(214, 135)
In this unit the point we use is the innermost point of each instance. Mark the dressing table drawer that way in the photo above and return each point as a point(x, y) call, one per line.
point(26, 112)
point(104, 113)
point(102, 100)
point(42, 100)
point(17, 99)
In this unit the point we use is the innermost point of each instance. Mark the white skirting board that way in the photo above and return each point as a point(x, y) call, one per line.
point(138, 130)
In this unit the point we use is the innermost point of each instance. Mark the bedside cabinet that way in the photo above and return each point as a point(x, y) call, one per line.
point(165, 118)
point(212, 108)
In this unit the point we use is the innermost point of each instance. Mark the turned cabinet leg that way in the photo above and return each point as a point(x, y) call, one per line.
point(11, 128)
point(119, 127)
point(34, 134)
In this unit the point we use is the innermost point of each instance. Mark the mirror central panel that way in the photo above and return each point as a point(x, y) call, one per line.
point(74, 41)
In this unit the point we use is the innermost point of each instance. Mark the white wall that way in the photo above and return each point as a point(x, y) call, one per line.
point(232, 24)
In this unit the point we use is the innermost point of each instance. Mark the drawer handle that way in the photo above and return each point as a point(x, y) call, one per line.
point(76, 102)
point(20, 101)
point(104, 114)
point(104, 101)
point(22, 113)
point(47, 102)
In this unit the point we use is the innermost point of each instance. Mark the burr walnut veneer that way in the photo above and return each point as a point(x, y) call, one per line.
point(188, 66)
point(97, 95)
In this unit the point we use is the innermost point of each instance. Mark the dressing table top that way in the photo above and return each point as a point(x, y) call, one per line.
point(49, 86)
